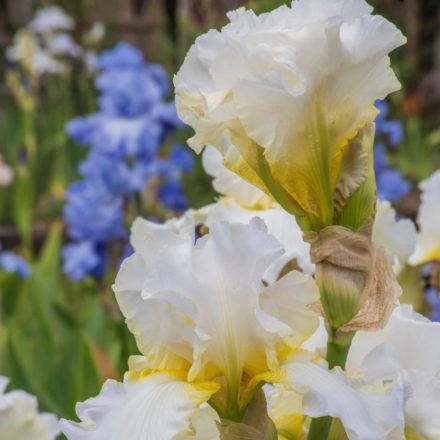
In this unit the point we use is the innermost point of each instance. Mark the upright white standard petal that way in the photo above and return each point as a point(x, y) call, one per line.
point(281, 94)
point(20, 419)
point(231, 185)
point(157, 406)
point(397, 236)
point(428, 239)
point(406, 350)
point(203, 307)
point(367, 411)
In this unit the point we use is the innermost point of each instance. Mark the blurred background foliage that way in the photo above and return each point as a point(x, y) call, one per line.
point(61, 336)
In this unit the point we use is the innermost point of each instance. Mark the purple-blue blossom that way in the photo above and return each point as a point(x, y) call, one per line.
point(391, 184)
point(126, 140)
point(12, 263)
point(80, 259)
point(434, 303)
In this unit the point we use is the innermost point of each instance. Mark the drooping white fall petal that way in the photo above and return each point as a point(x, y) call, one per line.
point(159, 406)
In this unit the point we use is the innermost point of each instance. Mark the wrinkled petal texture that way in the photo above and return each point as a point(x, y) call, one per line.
point(203, 307)
point(298, 82)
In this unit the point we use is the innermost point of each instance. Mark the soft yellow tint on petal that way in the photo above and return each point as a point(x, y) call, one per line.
point(158, 405)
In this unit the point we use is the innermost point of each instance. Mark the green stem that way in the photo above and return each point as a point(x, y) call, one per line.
point(336, 356)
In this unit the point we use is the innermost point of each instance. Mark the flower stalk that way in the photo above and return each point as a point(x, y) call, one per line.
point(337, 352)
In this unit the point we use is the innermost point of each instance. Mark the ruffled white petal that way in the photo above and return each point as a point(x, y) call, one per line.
point(20, 419)
point(366, 412)
point(158, 406)
point(428, 240)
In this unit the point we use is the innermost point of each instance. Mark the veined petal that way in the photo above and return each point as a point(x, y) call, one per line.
point(158, 405)
point(20, 419)
point(428, 240)
point(366, 412)
point(230, 184)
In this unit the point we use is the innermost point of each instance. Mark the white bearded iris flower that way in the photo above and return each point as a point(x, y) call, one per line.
point(20, 419)
point(283, 96)
point(208, 324)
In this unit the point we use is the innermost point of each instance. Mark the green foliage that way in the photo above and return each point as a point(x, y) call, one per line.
point(57, 340)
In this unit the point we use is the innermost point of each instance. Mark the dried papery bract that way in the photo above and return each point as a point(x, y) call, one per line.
point(357, 284)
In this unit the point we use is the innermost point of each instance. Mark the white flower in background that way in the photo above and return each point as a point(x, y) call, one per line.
point(231, 185)
point(51, 19)
point(6, 173)
point(27, 51)
point(91, 61)
point(63, 44)
point(428, 239)
point(397, 236)
point(96, 33)
point(43, 62)
point(42, 46)
point(20, 419)
point(281, 94)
